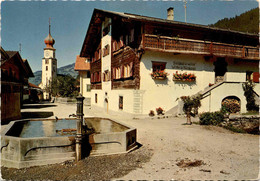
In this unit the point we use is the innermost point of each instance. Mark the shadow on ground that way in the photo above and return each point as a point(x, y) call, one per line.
point(36, 106)
point(26, 115)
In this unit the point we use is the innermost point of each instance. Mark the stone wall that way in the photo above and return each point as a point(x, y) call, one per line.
point(248, 124)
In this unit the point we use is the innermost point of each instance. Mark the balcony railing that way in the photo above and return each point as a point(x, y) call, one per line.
point(189, 46)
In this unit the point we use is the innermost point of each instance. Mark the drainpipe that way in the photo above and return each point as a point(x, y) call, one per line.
point(80, 115)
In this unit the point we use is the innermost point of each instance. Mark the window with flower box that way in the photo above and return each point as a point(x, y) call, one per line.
point(159, 70)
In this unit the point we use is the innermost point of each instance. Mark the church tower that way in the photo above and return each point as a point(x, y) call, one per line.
point(49, 64)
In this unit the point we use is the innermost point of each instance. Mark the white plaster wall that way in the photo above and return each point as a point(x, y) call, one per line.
point(213, 101)
point(84, 81)
point(106, 61)
point(163, 93)
point(235, 76)
point(113, 99)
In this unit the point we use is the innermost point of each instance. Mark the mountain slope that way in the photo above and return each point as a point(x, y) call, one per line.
point(65, 70)
point(245, 22)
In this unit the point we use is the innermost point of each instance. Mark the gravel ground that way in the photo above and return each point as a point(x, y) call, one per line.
point(171, 150)
point(91, 168)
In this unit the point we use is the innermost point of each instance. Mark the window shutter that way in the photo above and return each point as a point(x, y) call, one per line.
point(91, 78)
point(121, 71)
point(108, 75)
point(256, 77)
point(131, 69)
point(121, 43)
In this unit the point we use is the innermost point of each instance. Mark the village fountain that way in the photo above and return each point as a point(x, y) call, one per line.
point(26, 143)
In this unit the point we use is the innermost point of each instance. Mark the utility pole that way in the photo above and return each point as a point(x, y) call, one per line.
point(20, 48)
point(185, 7)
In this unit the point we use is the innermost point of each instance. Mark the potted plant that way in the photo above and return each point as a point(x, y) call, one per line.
point(159, 111)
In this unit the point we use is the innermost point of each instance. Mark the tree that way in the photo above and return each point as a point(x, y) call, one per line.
point(191, 104)
point(64, 86)
point(249, 93)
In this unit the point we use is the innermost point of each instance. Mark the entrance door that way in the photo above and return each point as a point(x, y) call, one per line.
point(106, 104)
point(220, 69)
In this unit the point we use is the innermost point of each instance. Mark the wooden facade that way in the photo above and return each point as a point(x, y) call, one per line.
point(14, 77)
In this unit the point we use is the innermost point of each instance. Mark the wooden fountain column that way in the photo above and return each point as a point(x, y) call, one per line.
point(80, 115)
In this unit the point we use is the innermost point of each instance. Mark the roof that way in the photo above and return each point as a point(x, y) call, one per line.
point(159, 20)
point(33, 85)
point(93, 32)
point(81, 64)
point(26, 63)
point(7, 56)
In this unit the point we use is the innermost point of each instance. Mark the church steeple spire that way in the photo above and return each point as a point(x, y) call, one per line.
point(49, 25)
point(49, 41)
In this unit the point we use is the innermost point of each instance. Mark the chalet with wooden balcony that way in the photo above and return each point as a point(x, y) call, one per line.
point(140, 63)
point(15, 73)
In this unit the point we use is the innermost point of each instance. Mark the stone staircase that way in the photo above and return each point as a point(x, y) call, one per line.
point(178, 108)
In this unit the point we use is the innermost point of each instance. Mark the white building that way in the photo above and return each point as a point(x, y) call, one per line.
point(49, 65)
point(82, 65)
point(127, 51)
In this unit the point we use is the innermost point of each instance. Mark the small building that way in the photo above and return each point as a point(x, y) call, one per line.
point(14, 78)
point(140, 63)
point(82, 65)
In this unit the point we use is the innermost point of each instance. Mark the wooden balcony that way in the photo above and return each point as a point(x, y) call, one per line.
point(189, 46)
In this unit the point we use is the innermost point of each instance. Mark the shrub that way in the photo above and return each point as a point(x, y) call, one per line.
point(209, 118)
point(159, 110)
point(248, 88)
point(231, 105)
point(151, 113)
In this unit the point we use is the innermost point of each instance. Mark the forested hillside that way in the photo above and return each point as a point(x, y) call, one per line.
point(246, 22)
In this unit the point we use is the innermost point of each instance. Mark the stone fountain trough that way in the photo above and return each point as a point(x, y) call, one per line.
point(26, 143)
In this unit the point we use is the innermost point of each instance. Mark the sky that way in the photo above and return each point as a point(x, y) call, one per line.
point(27, 22)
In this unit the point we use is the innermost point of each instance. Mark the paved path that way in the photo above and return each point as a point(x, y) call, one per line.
point(225, 155)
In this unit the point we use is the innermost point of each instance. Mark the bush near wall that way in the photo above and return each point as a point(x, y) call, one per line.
point(211, 118)
point(231, 105)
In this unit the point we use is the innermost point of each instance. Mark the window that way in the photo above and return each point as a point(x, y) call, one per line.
point(96, 98)
point(158, 66)
point(106, 50)
point(106, 76)
point(46, 68)
point(121, 102)
point(106, 30)
point(88, 87)
point(46, 61)
point(256, 77)
point(249, 75)
point(88, 74)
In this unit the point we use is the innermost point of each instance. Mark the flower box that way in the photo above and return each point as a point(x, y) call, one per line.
point(159, 75)
point(184, 77)
point(159, 78)
point(184, 80)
